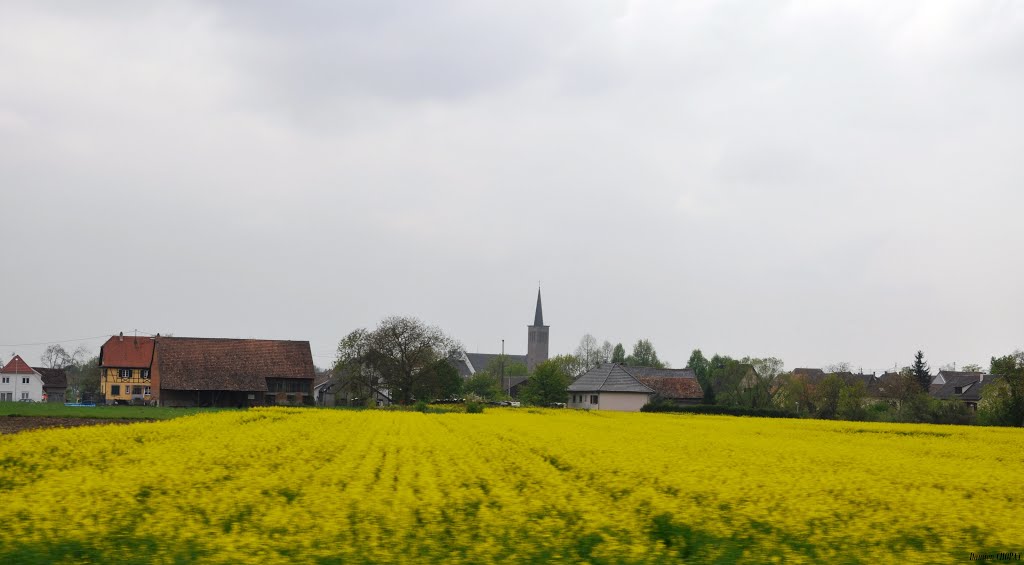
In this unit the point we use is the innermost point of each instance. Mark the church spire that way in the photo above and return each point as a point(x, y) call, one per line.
point(538, 318)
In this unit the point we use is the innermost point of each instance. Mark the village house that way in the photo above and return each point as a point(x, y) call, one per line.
point(963, 386)
point(612, 386)
point(189, 371)
point(20, 382)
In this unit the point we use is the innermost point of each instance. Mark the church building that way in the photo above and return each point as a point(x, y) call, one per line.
point(469, 364)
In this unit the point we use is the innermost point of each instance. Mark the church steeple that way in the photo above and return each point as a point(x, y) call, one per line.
point(537, 338)
point(538, 318)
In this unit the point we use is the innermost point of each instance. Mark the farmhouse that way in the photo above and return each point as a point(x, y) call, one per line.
point(20, 382)
point(190, 371)
point(611, 386)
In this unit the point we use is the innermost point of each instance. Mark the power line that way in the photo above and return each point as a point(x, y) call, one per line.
point(53, 341)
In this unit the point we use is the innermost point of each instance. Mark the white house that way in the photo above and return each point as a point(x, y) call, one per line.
point(609, 387)
point(18, 382)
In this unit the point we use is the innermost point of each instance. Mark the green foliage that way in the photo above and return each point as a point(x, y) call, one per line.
point(851, 402)
point(827, 395)
point(421, 406)
point(482, 385)
point(1007, 404)
point(444, 382)
point(568, 364)
point(732, 383)
point(701, 368)
point(644, 355)
point(547, 384)
point(402, 354)
point(619, 354)
point(474, 408)
point(511, 368)
point(921, 372)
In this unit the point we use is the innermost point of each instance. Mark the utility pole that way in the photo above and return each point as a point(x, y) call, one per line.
point(503, 365)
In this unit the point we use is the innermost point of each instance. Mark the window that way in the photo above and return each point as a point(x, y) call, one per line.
point(958, 390)
point(7, 380)
point(24, 396)
point(125, 373)
point(593, 399)
point(148, 391)
point(136, 390)
point(115, 390)
point(24, 380)
point(145, 373)
point(6, 396)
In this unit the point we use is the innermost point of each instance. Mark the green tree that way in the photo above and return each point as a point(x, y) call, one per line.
point(827, 395)
point(644, 355)
point(921, 371)
point(851, 402)
point(84, 379)
point(504, 365)
point(619, 354)
point(445, 383)
point(1004, 405)
point(548, 384)
point(401, 354)
point(971, 368)
point(569, 364)
point(734, 383)
point(483, 385)
point(766, 375)
point(701, 368)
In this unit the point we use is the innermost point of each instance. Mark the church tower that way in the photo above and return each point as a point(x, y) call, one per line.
point(537, 344)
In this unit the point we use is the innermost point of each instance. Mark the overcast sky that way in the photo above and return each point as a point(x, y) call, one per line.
point(817, 181)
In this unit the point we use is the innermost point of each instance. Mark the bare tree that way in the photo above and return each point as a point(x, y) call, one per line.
point(588, 352)
point(840, 367)
point(56, 357)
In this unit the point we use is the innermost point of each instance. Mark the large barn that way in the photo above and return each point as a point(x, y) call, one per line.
point(192, 371)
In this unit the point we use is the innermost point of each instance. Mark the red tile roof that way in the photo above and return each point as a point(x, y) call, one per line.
point(680, 388)
point(191, 363)
point(127, 352)
point(17, 366)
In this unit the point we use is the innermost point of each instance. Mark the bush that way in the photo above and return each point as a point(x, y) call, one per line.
point(421, 406)
point(474, 408)
point(719, 410)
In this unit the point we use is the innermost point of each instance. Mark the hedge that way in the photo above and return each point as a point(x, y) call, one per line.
point(719, 410)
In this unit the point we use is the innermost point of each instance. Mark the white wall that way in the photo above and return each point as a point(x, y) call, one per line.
point(619, 401)
point(622, 401)
point(16, 387)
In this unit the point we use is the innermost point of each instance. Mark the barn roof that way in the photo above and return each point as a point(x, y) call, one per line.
point(53, 378)
point(191, 363)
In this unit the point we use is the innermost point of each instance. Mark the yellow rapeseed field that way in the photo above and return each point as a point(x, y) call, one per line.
point(510, 485)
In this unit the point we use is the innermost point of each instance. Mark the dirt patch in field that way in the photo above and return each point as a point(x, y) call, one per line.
point(15, 424)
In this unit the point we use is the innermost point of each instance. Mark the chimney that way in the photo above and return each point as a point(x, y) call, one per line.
point(120, 336)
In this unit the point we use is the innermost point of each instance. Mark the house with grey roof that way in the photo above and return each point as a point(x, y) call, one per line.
point(609, 387)
point(612, 386)
point(966, 387)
